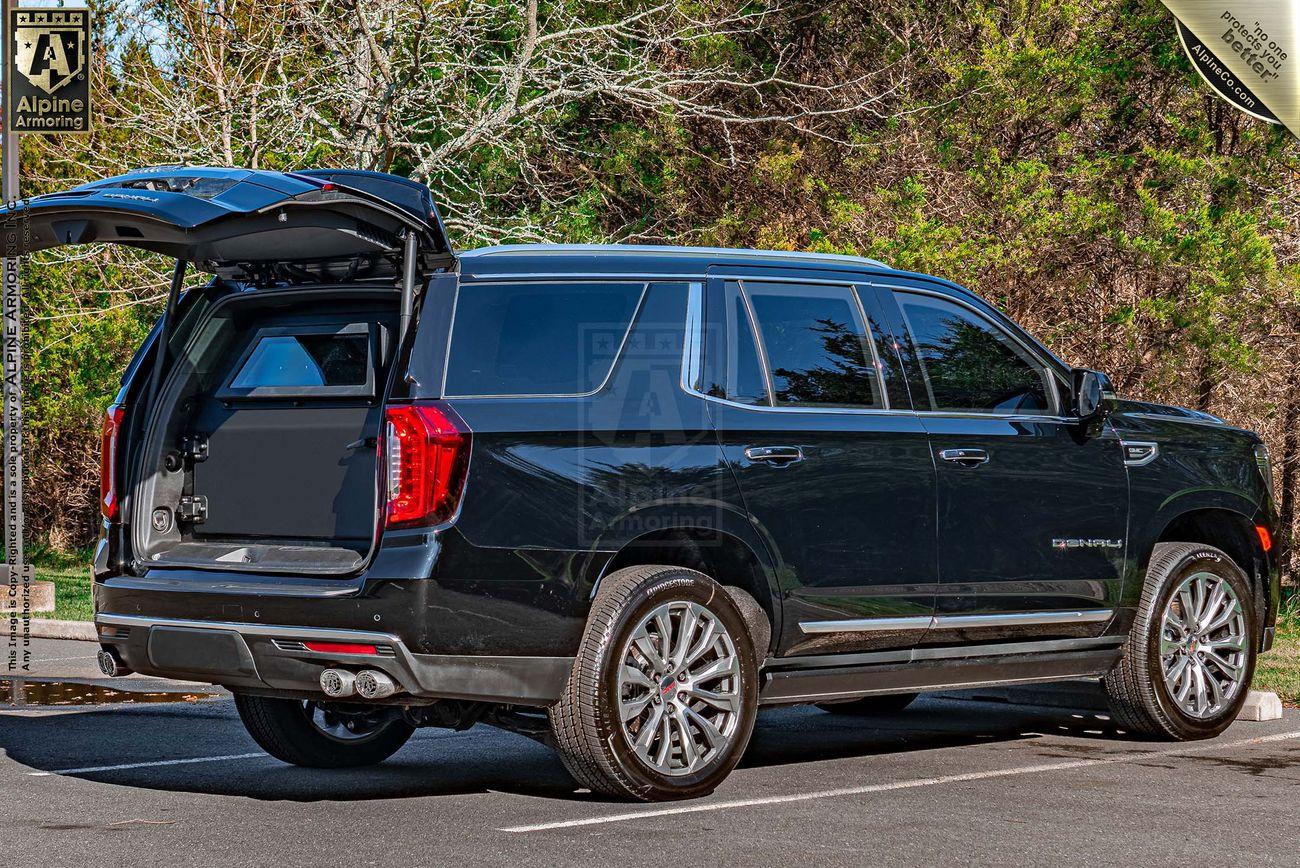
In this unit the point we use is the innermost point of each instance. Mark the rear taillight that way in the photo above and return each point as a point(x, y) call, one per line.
point(109, 501)
point(426, 455)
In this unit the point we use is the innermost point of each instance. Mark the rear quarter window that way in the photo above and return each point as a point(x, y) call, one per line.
point(537, 339)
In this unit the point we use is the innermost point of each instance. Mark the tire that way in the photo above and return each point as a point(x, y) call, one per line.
point(597, 748)
point(889, 703)
point(1142, 699)
point(296, 732)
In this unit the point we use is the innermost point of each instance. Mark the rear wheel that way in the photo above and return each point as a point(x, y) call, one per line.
point(316, 735)
point(664, 690)
point(869, 705)
point(1190, 655)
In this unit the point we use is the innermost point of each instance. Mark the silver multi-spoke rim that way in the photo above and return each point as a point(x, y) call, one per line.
point(1203, 645)
point(679, 688)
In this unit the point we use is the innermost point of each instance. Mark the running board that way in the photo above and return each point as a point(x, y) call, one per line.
point(795, 686)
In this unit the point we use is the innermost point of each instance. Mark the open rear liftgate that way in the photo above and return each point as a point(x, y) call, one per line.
point(240, 223)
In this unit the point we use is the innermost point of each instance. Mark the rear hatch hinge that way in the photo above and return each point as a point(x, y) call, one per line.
point(193, 508)
point(195, 447)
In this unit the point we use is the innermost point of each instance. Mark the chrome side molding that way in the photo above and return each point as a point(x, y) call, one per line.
point(958, 622)
point(867, 625)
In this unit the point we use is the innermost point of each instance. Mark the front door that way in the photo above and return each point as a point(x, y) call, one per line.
point(833, 467)
point(1032, 507)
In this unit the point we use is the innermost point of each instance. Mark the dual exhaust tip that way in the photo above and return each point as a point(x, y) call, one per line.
point(368, 684)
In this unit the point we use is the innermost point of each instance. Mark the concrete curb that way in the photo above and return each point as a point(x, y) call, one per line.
point(48, 628)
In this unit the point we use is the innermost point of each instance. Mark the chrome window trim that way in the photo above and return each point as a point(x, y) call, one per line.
point(609, 374)
point(695, 317)
point(1052, 381)
point(958, 622)
point(759, 344)
point(693, 338)
point(695, 304)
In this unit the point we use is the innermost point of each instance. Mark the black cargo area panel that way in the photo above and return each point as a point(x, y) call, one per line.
point(288, 472)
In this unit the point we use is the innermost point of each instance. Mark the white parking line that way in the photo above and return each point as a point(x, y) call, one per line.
point(896, 785)
point(174, 762)
point(56, 659)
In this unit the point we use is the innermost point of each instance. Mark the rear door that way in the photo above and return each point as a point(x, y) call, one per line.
point(1032, 510)
point(834, 468)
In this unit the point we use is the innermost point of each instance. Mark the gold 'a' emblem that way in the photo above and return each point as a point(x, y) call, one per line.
point(49, 47)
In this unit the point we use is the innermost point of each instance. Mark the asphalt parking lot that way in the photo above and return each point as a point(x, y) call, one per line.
point(944, 782)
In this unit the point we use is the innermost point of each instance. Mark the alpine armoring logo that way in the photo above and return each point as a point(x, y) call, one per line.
point(49, 65)
point(51, 48)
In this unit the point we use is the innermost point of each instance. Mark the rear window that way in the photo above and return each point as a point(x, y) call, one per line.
point(538, 339)
point(305, 361)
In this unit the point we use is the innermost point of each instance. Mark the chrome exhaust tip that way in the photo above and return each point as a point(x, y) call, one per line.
point(111, 665)
point(338, 683)
point(375, 685)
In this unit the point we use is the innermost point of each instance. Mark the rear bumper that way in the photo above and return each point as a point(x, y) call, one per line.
point(266, 658)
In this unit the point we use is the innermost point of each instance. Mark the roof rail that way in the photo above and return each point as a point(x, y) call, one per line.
point(667, 249)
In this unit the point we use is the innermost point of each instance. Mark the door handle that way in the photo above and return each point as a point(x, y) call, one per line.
point(363, 443)
point(965, 457)
point(778, 456)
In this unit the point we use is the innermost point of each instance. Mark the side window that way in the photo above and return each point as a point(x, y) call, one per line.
point(970, 365)
point(816, 345)
point(742, 369)
point(537, 338)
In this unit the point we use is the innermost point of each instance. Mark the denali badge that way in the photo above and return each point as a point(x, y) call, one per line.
point(1087, 543)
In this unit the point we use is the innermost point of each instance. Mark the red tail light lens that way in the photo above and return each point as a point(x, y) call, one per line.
point(426, 454)
point(109, 501)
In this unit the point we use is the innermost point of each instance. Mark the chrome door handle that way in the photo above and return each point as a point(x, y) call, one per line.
point(965, 457)
point(778, 456)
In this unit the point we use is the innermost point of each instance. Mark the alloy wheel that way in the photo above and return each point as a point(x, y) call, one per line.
point(679, 691)
point(1203, 645)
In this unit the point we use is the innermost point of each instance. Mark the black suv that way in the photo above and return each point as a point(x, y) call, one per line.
point(619, 498)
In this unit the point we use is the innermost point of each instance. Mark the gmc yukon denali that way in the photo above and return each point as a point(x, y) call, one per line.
point(620, 498)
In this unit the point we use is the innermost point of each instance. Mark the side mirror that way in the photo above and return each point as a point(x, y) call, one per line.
point(1092, 395)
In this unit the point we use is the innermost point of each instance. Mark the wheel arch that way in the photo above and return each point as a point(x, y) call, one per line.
point(1232, 532)
point(729, 560)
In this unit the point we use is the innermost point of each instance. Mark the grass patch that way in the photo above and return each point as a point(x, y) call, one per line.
point(1279, 669)
point(71, 593)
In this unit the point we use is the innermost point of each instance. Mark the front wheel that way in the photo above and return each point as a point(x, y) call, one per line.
point(306, 733)
point(1190, 654)
point(664, 690)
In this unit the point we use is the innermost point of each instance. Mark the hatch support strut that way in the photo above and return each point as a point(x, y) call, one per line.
point(409, 255)
point(165, 331)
